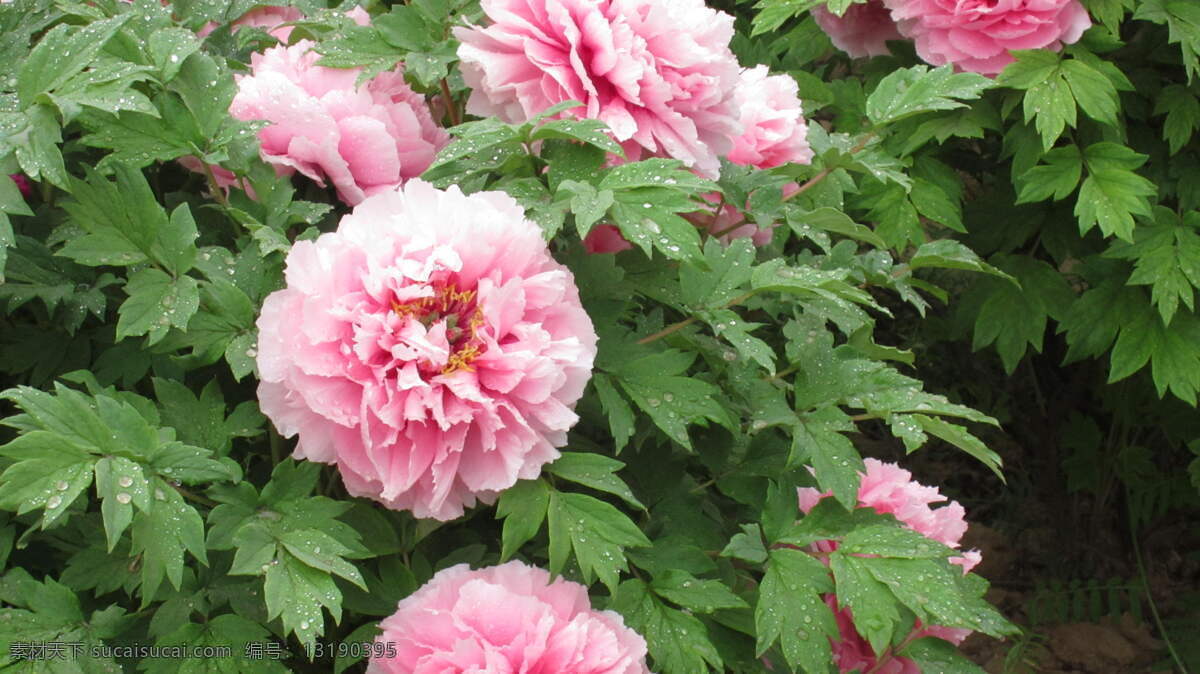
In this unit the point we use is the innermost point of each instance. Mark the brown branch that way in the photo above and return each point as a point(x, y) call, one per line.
point(676, 327)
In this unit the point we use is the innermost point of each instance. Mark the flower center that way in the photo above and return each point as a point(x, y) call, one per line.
point(463, 317)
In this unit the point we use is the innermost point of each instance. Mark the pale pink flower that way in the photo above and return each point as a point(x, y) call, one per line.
point(863, 30)
point(659, 73)
point(364, 140)
point(773, 128)
point(976, 35)
point(509, 618)
point(889, 489)
point(430, 348)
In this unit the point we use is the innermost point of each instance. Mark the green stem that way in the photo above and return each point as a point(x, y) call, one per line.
point(1137, 553)
point(676, 327)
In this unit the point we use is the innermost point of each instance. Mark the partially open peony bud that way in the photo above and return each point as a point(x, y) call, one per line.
point(889, 489)
point(507, 618)
point(430, 348)
point(863, 30)
point(364, 139)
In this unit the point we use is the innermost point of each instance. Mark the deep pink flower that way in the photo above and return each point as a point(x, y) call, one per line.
point(889, 489)
point(605, 239)
point(508, 618)
point(364, 140)
point(773, 128)
point(659, 73)
point(863, 30)
point(22, 183)
point(430, 348)
point(976, 35)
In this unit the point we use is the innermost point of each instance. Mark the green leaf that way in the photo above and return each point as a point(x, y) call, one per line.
point(1171, 350)
point(678, 642)
point(63, 52)
point(523, 507)
point(50, 474)
point(774, 13)
point(321, 551)
point(747, 545)
point(595, 471)
point(296, 592)
point(156, 303)
point(920, 89)
point(727, 324)
point(833, 220)
point(1094, 92)
point(695, 594)
point(876, 615)
point(1058, 176)
point(960, 437)
point(1167, 259)
point(790, 610)
point(936, 591)
point(597, 532)
point(674, 402)
point(135, 138)
point(729, 268)
point(1182, 109)
point(121, 484)
point(1049, 101)
point(207, 89)
point(590, 131)
point(1013, 317)
point(621, 421)
point(1183, 23)
point(161, 535)
point(819, 438)
point(1112, 193)
point(950, 254)
point(935, 655)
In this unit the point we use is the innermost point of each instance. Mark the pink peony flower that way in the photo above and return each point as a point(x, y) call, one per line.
point(605, 239)
point(659, 73)
point(976, 35)
point(889, 489)
point(430, 348)
point(863, 30)
point(507, 618)
point(364, 140)
point(773, 128)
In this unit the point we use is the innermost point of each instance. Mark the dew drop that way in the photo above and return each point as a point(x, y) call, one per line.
point(53, 502)
point(668, 397)
point(654, 402)
point(125, 481)
point(61, 485)
point(124, 498)
point(304, 625)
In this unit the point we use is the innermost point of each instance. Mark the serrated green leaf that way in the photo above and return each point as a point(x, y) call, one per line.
point(874, 609)
point(156, 303)
point(790, 610)
point(595, 471)
point(678, 642)
point(596, 531)
point(161, 535)
point(1182, 109)
point(920, 89)
point(1058, 176)
point(621, 421)
point(295, 592)
point(523, 507)
point(747, 545)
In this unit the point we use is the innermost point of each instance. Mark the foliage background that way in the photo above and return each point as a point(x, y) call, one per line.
point(1026, 247)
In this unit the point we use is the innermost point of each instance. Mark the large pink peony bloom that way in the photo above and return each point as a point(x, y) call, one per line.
point(976, 35)
point(889, 489)
point(507, 618)
point(863, 30)
point(430, 348)
point(659, 73)
point(364, 140)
